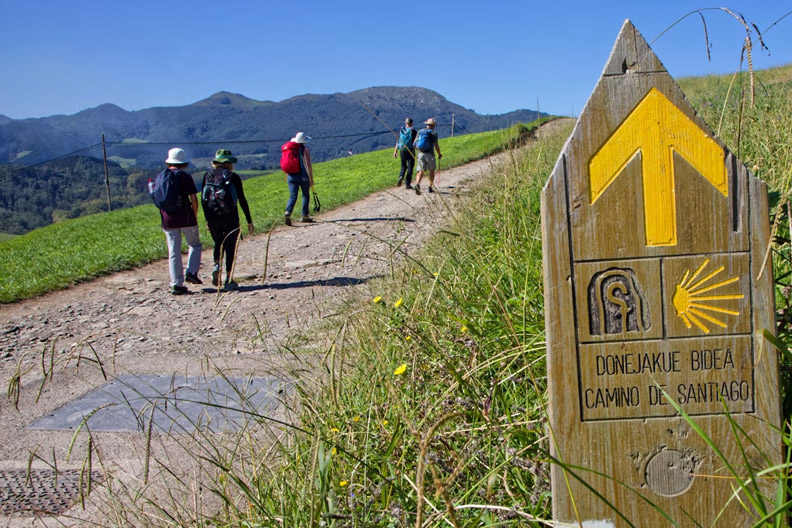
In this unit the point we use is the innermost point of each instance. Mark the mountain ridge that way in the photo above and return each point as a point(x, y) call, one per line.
point(253, 129)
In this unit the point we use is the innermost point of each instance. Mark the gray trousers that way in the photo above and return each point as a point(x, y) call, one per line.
point(174, 239)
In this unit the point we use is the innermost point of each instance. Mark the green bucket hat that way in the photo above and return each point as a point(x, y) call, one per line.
point(224, 156)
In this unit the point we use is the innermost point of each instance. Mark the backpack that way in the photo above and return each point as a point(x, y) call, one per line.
point(166, 193)
point(219, 194)
point(424, 141)
point(290, 157)
point(405, 138)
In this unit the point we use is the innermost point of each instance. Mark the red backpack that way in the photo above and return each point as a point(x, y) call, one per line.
point(290, 157)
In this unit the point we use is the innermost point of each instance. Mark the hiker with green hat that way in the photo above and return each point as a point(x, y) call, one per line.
point(221, 190)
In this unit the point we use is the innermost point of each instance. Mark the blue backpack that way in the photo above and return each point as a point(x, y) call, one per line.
point(166, 193)
point(405, 138)
point(424, 140)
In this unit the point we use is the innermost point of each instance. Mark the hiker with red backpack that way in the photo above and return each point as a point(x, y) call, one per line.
point(221, 190)
point(426, 142)
point(173, 192)
point(405, 146)
point(296, 163)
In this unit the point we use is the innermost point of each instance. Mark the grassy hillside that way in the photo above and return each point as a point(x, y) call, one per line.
point(76, 250)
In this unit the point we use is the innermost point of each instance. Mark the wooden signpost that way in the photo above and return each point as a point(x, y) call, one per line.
point(657, 286)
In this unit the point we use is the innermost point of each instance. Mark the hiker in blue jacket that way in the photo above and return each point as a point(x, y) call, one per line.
point(221, 190)
point(301, 181)
point(405, 146)
point(426, 143)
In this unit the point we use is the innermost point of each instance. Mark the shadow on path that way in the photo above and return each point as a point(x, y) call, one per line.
point(376, 219)
point(335, 281)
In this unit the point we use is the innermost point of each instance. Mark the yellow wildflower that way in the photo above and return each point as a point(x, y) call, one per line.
point(398, 303)
point(378, 298)
point(400, 370)
point(356, 419)
point(407, 338)
point(335, 451)
point(384, 422)
point(343, 483)
point(463, 329)
point(335, 430)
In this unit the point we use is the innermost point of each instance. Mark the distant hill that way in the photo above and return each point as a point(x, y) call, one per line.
point(253, 130)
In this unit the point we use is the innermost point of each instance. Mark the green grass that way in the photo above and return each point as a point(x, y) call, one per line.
point(77, 250)
point(6, 236)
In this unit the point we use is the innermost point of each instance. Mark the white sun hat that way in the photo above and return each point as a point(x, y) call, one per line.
point(301, 138)
point(176, 156)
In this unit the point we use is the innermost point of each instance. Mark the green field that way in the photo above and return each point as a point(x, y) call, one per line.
point(6, 236)
point(76, 250)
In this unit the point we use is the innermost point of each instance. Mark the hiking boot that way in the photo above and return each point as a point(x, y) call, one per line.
point(306, 219)
point(399, 182)
point(216, 275)
point(179, 290)
point(192, 278)
point(417, 189)
point(230, 286)
point(287, 220)
point(431, 190)
point(408, 187)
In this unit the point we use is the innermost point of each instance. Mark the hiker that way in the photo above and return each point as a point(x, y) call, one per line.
point(426, 143)
point(221, 190)
point(173, 191)
point(296, 163)
point(405, 146)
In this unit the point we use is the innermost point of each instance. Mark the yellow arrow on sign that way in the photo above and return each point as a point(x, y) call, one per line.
point(657, 128)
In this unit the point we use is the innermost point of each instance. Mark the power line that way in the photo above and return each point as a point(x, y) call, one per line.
point(52, 159)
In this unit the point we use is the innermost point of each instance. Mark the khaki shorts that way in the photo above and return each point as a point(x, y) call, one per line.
point(426, 161)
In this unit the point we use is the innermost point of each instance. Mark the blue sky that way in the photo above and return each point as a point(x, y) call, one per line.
point(63, 56)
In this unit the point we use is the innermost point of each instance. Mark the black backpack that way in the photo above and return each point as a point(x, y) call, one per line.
point(219, 194)
point(166, 193)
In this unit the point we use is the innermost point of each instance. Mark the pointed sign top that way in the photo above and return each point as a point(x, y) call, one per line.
point(632, 54)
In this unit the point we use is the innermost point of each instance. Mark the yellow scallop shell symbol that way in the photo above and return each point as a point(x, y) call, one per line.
point(692, 304)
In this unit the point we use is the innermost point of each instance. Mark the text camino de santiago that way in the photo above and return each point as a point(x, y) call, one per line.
point(662, 363)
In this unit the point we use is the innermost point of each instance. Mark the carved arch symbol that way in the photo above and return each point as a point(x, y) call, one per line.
point(616, 303)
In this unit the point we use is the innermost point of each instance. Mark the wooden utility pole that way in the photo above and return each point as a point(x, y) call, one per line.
point(107, 176)
point(452, 124)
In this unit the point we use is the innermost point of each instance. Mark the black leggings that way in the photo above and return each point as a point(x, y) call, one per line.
point(225, 234)
point(407, 164)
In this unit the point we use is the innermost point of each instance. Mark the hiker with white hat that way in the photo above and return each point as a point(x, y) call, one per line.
point(426, 142)
point(174, 192)
point(296, 163)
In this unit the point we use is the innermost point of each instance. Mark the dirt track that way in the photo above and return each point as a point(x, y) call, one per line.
point(129, 323)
